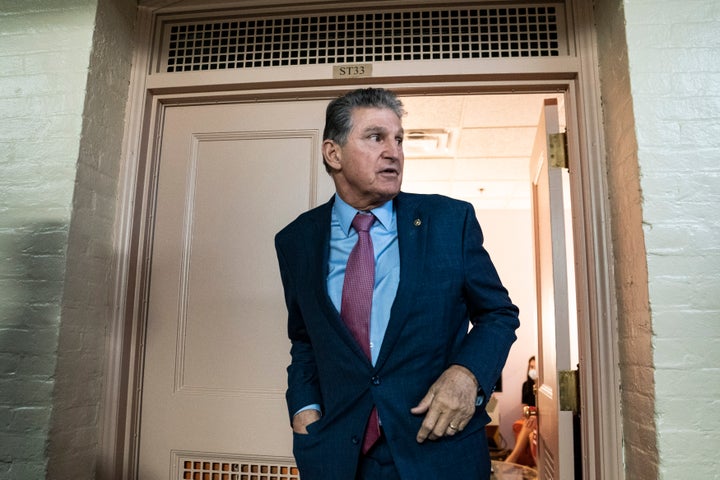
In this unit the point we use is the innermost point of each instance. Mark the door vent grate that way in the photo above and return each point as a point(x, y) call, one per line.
point(201, 467)
point(527, 30)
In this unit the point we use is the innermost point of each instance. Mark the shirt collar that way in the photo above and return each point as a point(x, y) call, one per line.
point(346, 213)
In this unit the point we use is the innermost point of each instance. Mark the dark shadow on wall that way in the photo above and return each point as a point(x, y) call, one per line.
point(86, 311)
point(32, 271)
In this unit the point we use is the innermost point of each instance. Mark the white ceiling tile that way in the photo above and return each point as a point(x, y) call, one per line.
point(432, 111)
point(496, 142)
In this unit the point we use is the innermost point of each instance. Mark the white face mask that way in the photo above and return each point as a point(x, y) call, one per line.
point(532, 373)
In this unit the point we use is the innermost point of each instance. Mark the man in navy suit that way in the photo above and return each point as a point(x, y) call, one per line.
point(427, 376)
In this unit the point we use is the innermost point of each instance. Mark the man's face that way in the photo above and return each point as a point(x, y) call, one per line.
point(368, 168)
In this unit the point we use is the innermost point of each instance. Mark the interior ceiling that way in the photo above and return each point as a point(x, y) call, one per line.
point(474, 147)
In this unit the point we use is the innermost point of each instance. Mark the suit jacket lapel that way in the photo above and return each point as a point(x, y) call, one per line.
point(318, 244)
point(319, 248)
point(412, 235)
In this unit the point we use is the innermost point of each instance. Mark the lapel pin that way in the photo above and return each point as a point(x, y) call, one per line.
point(417, 222)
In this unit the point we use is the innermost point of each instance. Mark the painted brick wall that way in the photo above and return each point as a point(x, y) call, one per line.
point(44, 51)
point(64, 74)
point(88, 288)
point(630, 266)
point(673, 52)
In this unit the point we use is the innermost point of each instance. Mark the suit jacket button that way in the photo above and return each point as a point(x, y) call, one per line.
point(375, 380)
point(355, 439)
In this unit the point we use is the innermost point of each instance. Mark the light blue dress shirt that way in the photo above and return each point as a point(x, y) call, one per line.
point(387, 266)
point(387, 263)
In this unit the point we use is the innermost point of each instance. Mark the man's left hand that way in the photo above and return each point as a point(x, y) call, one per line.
point(449, 404)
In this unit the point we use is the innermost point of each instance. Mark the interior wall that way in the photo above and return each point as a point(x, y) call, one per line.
point(672, 52)
point(634, 325)
point(88, 287)
point(658, 65)
point(44, 50)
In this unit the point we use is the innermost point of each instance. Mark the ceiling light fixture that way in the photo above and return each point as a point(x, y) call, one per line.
point(431, 143)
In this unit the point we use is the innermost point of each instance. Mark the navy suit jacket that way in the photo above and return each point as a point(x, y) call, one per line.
point(447, 282)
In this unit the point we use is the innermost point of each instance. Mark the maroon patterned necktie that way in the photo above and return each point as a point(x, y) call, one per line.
point(356, 303)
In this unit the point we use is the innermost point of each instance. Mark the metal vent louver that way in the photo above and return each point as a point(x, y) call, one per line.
point(536, 30)
point(205, 467)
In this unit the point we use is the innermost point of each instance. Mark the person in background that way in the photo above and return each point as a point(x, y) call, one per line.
point(386, 380)
point(528, 387)
point(526, 427)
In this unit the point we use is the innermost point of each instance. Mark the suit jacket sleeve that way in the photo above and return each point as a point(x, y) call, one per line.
point(303, 387)
point(491, 312)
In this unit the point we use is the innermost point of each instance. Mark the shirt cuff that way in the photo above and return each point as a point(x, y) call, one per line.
point(314, 406)
point(480, 397)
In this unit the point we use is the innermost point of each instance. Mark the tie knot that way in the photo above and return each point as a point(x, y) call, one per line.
point(363, 221)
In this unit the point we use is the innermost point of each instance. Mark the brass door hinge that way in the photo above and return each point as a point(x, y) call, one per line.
point(567, 383)
point(557, 150)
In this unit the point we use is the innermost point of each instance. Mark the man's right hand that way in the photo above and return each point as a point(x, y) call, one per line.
point(301, 421)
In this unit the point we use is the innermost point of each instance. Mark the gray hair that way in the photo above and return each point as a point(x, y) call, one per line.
point(338, 116)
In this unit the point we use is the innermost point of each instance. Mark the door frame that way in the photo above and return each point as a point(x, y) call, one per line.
point(576, 76)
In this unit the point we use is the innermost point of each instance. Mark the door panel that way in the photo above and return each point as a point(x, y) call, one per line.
point(555, 427)
point(230, 176)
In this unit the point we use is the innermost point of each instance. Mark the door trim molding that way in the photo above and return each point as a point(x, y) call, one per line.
point(577, 76)
point(119, 408)
point(602, 445)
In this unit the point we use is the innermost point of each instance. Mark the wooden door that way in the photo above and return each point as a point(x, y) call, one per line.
point(554, 296)
point(230, 176)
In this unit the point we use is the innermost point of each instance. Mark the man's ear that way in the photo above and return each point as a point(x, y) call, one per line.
point(331, 154)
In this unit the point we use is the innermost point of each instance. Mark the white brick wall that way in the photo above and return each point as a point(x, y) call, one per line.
point(633, 310)
point(63, 89)
point(44, 48)
point(88, 288)
point(673, 51)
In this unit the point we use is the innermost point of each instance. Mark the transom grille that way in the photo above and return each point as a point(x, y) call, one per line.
point(385, 36)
